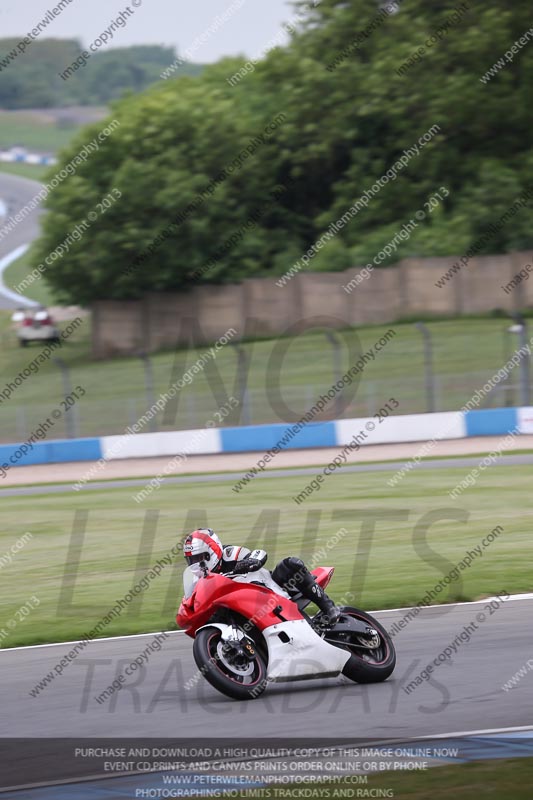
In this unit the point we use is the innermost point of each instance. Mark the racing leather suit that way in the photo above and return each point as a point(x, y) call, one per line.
point(291, 574)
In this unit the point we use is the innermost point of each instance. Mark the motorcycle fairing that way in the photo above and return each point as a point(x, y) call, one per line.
point(255, 602)
point(295, 651)
point(323, 575)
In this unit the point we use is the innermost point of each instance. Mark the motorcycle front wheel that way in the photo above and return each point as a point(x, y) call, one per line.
point(373, 658)
point(242, 678)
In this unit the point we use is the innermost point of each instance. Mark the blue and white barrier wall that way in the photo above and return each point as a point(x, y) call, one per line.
point(14, 157)
point(493, 421)
point(53, 452)
point(261, 438)
point(147, 445)
point(405, 428)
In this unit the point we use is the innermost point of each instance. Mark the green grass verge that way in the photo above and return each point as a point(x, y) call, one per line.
point(399, 571)
point(19, 270)
point(467, 353)
point(509, 779)
point(34, 171)
point(35, 398)
point(505, 779)
point(34, 131)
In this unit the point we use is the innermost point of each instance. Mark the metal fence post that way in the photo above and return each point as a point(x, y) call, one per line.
point(370, 398)
point(70, 420)
point(132, 411)
point(242, 380)
point(506, 384)
point(149, 384)
point(525, 365)
point(21, 424)
point(337, 369)
point(429, 376)
point(520, 327)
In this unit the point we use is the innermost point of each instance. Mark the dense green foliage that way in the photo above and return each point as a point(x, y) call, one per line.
point(32, 79)
point(342, 129)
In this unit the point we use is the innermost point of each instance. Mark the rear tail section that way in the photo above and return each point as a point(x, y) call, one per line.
point(323, 575)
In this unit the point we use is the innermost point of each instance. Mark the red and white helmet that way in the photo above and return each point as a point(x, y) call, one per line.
point(203, 550)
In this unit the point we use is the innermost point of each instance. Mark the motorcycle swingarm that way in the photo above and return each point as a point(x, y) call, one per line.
point(352, 625)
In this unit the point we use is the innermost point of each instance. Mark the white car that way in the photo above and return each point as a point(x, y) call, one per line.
point(36, 327)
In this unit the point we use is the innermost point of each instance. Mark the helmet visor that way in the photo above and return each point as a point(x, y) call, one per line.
point(196, 558)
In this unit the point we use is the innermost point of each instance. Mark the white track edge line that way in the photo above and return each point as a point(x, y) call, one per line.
point(527, 596)
point(5, 262)
point(478, 733)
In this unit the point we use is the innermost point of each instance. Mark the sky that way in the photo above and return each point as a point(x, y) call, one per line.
point(243, 27)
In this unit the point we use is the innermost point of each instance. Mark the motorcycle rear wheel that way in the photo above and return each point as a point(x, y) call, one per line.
point(368, 665)
point(245, 683)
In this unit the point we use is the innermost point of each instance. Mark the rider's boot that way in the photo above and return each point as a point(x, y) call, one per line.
point(293, 575)
point(311, 590)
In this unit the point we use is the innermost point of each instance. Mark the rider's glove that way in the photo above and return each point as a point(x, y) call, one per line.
point(258, 555)
point(247, 565)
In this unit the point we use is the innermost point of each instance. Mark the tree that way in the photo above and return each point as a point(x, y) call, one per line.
point(33, 79)
point(347, 113)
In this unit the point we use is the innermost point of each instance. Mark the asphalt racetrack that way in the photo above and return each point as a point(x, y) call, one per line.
point(167, 697)
point(16, 193)
point(463, 693)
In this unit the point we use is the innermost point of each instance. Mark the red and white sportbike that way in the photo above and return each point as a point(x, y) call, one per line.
point(248, 632)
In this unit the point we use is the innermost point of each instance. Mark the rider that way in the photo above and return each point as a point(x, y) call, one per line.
point(203, 547)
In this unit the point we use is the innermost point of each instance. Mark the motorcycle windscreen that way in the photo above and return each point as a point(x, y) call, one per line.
point(190, 579)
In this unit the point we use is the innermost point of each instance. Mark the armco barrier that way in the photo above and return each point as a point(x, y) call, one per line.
point(262, 438)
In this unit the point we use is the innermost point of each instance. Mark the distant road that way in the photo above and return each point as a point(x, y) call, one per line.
point(15, 193)
point(217, 477)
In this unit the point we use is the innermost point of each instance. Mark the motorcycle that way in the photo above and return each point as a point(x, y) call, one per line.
point(249, 632)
